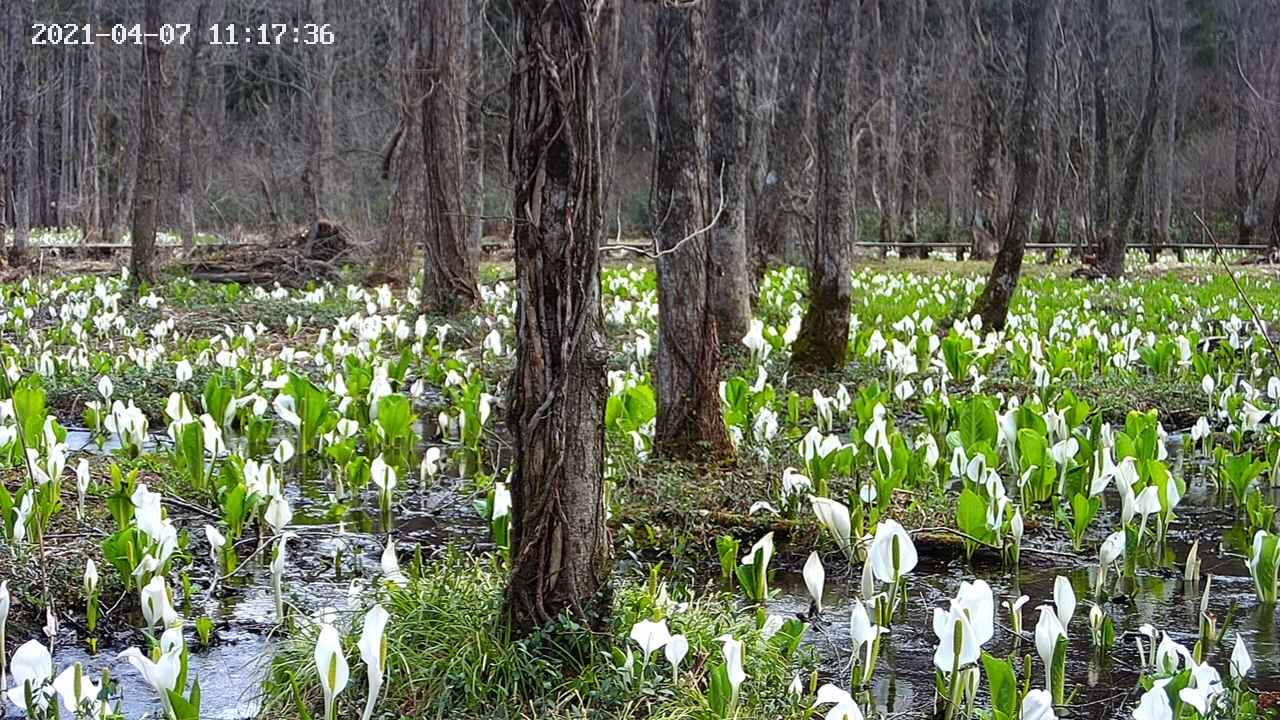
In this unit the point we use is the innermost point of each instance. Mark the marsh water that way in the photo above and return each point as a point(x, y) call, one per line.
point(332, 559)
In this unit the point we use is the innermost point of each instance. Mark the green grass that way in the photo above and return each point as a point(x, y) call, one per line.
point(449, 656)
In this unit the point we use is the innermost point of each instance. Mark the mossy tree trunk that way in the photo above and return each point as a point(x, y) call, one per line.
point(146, 199)
point(561, 555)
point(993, 304)
point(823, 341)
point(449, 277)
point(690, 424)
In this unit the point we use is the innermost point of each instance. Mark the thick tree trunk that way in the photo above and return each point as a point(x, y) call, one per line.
point(993, 304)
point(560, 549)
point(1101, 117)
point(690, 423)
point(1117, 240)
point(448, 280)
point(146, 200)
point(993, 24)
point(186, 119)
point(23, 177)
point(317, 176)
point(730, 299)
point(823, 341)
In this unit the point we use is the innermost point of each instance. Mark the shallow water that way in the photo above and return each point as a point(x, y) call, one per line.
point(1103, 687)
point(323, 562)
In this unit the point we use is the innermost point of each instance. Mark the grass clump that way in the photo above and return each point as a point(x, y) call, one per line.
point(450, 656)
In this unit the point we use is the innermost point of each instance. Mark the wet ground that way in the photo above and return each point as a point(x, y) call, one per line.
point(330, 554)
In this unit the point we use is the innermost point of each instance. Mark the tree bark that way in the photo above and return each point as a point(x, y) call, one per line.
point(1101, 115)
point(561, 554)
point(730, 299)
point(1117, 240)
point(785, 206)
point(186, 119)
point(1244, 190)
point(823, 341)
point(993, 31)
point(993, 304)
point(317, 176)
point(401, 158)
point(448, 280)
point(146, 199)
point(23, 177)
point(475, 134)
point(690, 424)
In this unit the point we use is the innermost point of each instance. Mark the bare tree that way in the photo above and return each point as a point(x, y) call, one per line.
point(146, 200)
point(689, 422)
point(448, 280)
point(1117, 240)
point(186, 119)
point(824, 333)
point(561, 555)
point(21, 158)
point(993, 304)
point(317, 178)
point(730, 298)
point(1101, 112)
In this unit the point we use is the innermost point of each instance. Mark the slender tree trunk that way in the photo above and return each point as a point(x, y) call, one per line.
point(993, 24)
point(401, 158)
point(449, 280)
point(823, 341)
point(23, 177)
point(146, 201)
point(1101, 115)
point(561, 554)
point(690, 423)
point(1240, 129)
point(993, 304)
point(475, 135)
point(1275, 221)
point(317, 176)
point(785, 206)
point(186, 153)
point(93, 123)
point(1117, 241)
point(1171, 128)
point(730, 298)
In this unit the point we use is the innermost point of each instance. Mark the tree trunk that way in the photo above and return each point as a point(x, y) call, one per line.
point(448, 280)
point(401, 159)
point(146, 199)
point(993, 24)
point(1117, 240)
point(317, 176)
point(1171, 129)
point(1101, 98)
point(730, 299)
point(475, 135)
point(690, 424)
point(785, 204)
point(561, 554)
point(823, 341)
point(186, 158)
point(993, 304)
point(23, 177)
point(1240, 129)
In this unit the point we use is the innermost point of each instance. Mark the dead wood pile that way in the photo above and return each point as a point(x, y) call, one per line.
point(299, 260)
